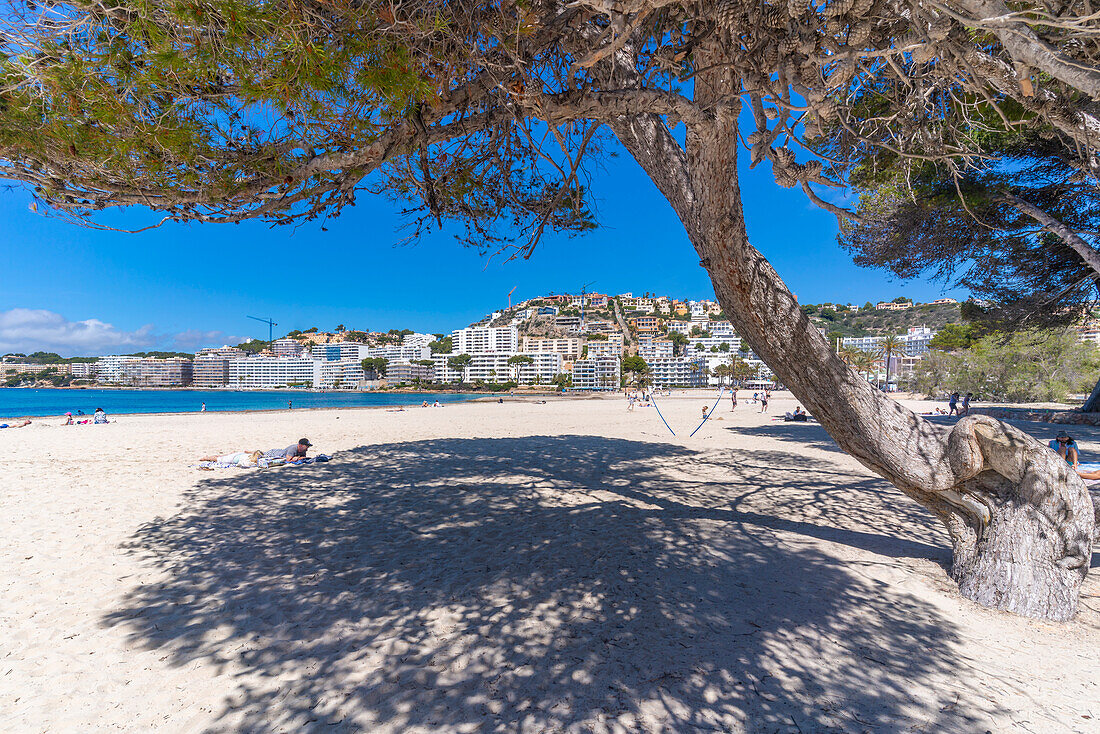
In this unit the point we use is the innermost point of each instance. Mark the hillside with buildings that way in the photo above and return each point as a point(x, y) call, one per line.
point(565, 341)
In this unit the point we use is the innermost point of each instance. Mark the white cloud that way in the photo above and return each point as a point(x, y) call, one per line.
point(32, 330)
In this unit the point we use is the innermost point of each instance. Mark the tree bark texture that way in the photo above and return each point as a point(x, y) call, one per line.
point(1020, 520)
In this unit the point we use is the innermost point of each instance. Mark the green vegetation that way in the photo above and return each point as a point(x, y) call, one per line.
point(254, 346)
point(375, 367)
point(955, 336)
point(869, 322)
point(1030, 366)
point(443, 345)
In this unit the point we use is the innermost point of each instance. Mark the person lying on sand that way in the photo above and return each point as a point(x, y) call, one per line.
point(25, 422)
point(242, 459)
point(292, 454)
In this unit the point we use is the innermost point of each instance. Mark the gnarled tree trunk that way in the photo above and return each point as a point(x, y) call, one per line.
point(1021, 523)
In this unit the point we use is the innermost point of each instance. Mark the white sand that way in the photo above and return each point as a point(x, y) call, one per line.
point(484, 567)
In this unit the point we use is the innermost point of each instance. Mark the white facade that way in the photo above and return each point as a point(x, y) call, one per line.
point(342, 374)
point(84, 369)
point(442, 372)
point(543, 369)
point(568, 347)
point(683, 327)
point(607, 348)
point(396, 352)
point(485, 340)
point(710, 343)
point(651, 349)
point(265, 373)
point(915, 341)
point(337, 351)
point(597, 373)
point(678, 371)
point(113, 368)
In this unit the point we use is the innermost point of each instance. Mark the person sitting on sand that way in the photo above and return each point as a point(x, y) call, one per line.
point(68, 419)
point(1066, 447)
point(100, 416)
point(242, 459)
point(799, 415)
point(292, 454)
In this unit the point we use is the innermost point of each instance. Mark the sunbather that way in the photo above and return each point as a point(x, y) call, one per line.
point(242, 459)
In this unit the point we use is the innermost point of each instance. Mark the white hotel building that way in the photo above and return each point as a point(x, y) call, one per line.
point(485, 340)
point(597, 373)
point(678, 371)
point(267, 373)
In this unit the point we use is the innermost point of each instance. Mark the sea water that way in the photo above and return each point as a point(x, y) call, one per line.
point(16, 401)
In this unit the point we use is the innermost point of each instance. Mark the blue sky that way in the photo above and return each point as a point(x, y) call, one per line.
point(79, 291)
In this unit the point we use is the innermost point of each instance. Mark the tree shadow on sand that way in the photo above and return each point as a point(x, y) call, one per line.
point(538, 584)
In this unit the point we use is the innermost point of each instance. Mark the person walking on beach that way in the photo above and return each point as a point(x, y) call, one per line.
point(953, 404)
point(764, 402)
point(290, 405)
point(203, 408)
point(733, 400)
point(965, 410)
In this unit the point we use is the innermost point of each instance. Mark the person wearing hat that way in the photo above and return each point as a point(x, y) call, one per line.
point(1066, 447)
point(293, 454)
point(68, 419)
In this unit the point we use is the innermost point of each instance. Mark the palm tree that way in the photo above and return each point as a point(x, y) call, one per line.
point(863, 362)
point(889, 347)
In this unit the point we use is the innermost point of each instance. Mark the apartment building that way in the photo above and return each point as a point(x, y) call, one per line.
point(682, 327)
point(396, 352)
point(916, 341)
point(569, 347)
point(287, 348)
point(340, 374)
point(145, 371)
point(29, 368)
point(569, 323)
point(712, 343)
point(266, 373)
point(485, 340)
point(650, 349)
point(210, 368)
point(678, 371)
point(607, 348)
point(407, 372)
point(890, 306)
point(545, 366)
point(338, 351)
point(599, 326)
point(645, 324)
point(83, 370)
point(597, 373)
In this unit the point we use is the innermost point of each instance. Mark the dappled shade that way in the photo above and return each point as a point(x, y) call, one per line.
point(546, 583)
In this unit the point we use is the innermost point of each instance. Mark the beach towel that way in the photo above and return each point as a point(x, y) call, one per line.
point(1091, 466)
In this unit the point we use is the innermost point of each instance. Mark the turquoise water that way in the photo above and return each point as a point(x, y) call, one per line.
point(15, 401)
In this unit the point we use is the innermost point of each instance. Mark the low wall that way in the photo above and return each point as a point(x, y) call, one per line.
point(1040, 415)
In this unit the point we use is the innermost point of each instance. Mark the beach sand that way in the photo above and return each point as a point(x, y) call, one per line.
point(514, 568)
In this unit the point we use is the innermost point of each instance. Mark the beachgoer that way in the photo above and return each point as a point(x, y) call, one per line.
point(290, 405)
point(437, 404)
point(203, 408)
point(424, 404)
point(704, 412)
point(755, 397)
point(953, 404)
point(292, 454)
point(99, 416)
point(733, 400)
point(798, 416)
point(965, 409)
point(764, 403)
point(242, 459)
point(26, 422)
point(68, 419)
point(500, 400)
point(1066, 447)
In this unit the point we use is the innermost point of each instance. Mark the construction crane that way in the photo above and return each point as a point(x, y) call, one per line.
point(584, 291)
point(510, 297)
point(270, 327)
